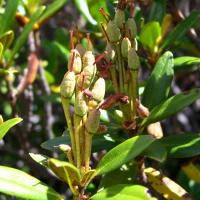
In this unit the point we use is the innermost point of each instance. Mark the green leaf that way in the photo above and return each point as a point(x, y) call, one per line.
point(180, 30)
point(122, 191)
point(52, 9)
point(41, 159)
point(63, 52)
point(157, 11)
point(84, 10)
point(24, 35)
point(7, 125)
point(186, 60)
point(159, 82)
point(123, 175)
point(171, 106)
point(149, 34)
point(54, 98)
point(182, 145)
point(6, 39)
point(123, 153)
point(49, 77)
point(8, 16)
point(6, 71)
point(20, 184)
point(156, 151)
point(86, 176)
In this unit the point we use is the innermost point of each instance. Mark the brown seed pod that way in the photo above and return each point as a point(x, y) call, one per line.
point(142, 111)
point(92, 123)
point(119, 18)
point(113, 32)
point(81, 104)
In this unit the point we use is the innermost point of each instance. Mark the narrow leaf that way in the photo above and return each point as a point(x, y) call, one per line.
point(171, 106)
point(182, 145)
point(6, 39)
point(122, 191)
point(24, 35)
point(158, 84)
point(180, 29)
point(8, 16)
point(123, 153)
point(7, 125)
point(186, 60)
point(156, 151)
point(20, 184)
point(41, 159)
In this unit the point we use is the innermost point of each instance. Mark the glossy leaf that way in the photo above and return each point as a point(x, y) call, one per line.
point(149, 34)
point(122, 191)
point(52, 9)
point(41, 159)
point(171, 106)
point(159, 82)
point(186, 60)
point(157, 11)
point(123, 153)
point(180, 29)
point(84, 10)
point(7, 125)
point(8, 16)
point(156, 151)
point(6, 39)
point(20, 184)
point(24, 35)
point(123, 175)
point(182, 145)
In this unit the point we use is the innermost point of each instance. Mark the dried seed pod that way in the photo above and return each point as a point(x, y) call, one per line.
point(81, 104)
point(142, 111)
point(119, 18)
point(92, 123)
point(113, 32)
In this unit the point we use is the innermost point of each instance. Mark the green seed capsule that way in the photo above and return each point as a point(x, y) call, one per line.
point(92, 123)
point(133, 60)
point(88, 59)
point(131, 25)
point(77, 66)
point(119, 18)
point(111, 53)
point(81, 104)
point(67, 87)
point(125, 46)
point(80, 48)
point(113, 32)
point(98, 90)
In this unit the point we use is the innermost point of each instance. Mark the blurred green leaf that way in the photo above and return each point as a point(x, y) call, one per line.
point(6, 70)
point(182, 145)
point(122, 191)
point(23, 37)
point(20, 184)
point(157, 11)
point(159, 82)
point(171, 106)
point(49, 77)
point(6, 39)
point(149, 34)
point(8, 16)
point(123, 153)
point(180, 30)
point(123, 175)
point(186, 60)
point(83, 8)
point(5, 126)
point(52, 9)
point(62, 51)
point(41, 159)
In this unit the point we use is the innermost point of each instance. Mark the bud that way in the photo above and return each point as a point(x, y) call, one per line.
point(98, 90)
point(113, 32)
point(131, 25)
point(142, 111)
point(81, 105)
point(119, 18)
point(64, 147)
point(77, 67)
point(88, 59)
point(155, 129)
point(92, 123)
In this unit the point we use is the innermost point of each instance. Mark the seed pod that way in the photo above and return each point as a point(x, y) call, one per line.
point(92, 123)
point(142, 111)
point(133, 60)
point(81, 104)
point(98, 90)
point(155, 129)
point(92, 103)
point(113, 32)
point(77, 67)
point(64, 147)
point(119, 18)
point(88, 59)
point(131, 25)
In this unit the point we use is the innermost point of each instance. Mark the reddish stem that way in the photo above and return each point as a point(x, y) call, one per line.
point(130, 38)
point(88, 41)
point(101, 56)
point(77, 34)
point(72, 63)
point(104, 31)
point(124, 30)
point(108, 99)
point(106, 69)
point(101, 10)
point(82, 82)
point(140, 23)
point(71, 37)
point(106, 14)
